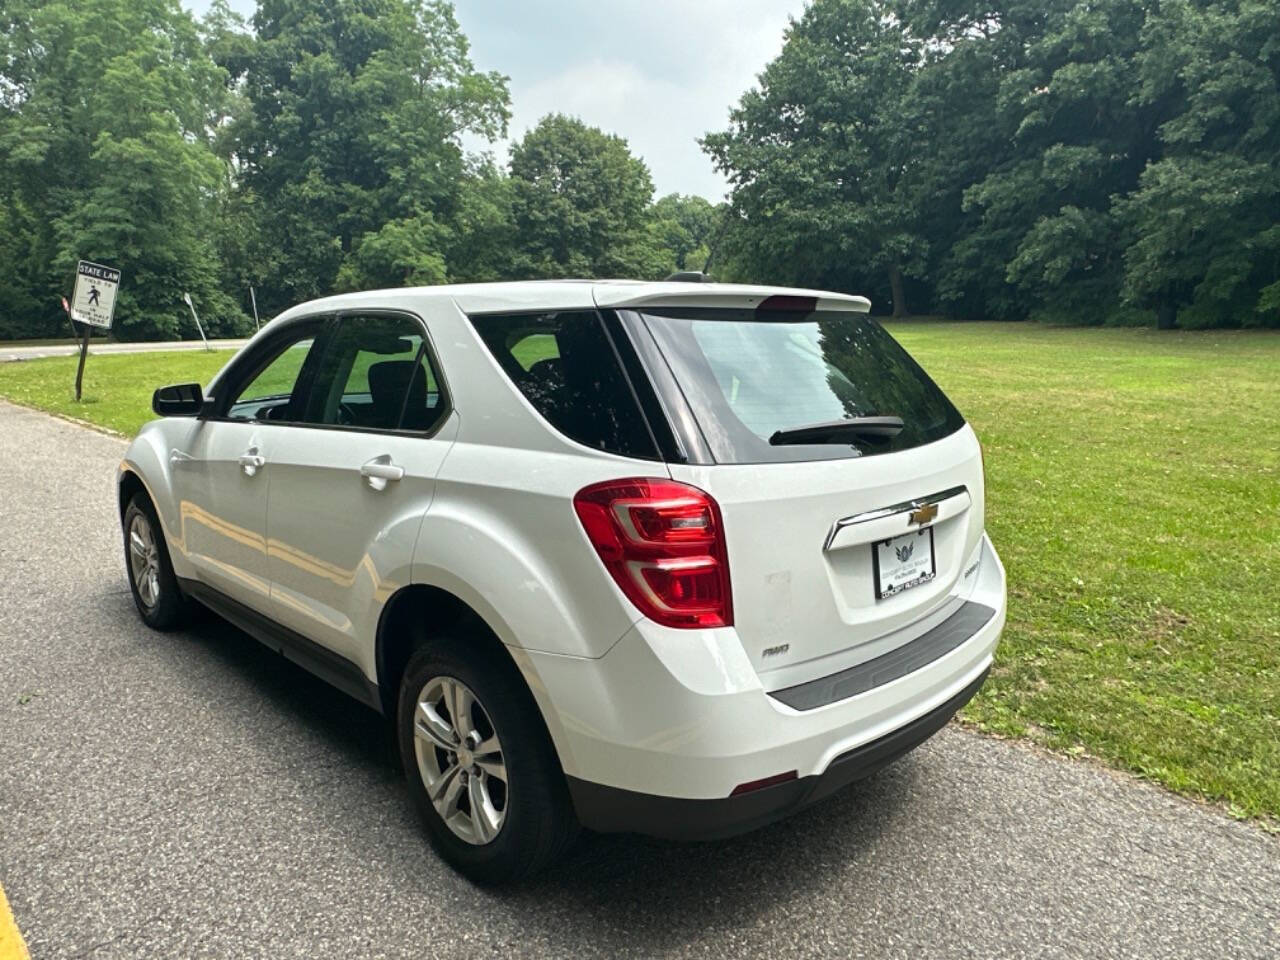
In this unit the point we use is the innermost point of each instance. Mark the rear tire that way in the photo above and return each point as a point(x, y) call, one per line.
point(490, 829)
point(156, 593)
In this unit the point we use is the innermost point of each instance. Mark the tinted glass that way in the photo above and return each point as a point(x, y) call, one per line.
point(375, 374)
point(565, 365)
point(270, 394)
point(748, 374)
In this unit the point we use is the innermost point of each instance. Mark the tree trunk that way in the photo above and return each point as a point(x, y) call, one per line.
point(899, 297)
point(1167, 316)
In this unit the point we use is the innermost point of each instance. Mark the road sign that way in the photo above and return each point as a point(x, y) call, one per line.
point(94, 299)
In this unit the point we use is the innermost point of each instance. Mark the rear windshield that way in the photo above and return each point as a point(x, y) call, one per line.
point(565, 365)
point(748, 374)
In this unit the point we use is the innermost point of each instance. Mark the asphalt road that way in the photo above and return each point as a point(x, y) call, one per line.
point(10, 352)
point(197, 796)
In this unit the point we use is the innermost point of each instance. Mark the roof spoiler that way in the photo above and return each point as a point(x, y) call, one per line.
point(726, 295)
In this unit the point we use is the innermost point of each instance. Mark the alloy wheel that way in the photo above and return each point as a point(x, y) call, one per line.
point(144, 560)
point(460, 760)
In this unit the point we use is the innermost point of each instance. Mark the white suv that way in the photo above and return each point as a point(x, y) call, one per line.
point(677, 558)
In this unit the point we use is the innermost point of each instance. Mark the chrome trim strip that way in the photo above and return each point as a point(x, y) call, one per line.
point(882, 512)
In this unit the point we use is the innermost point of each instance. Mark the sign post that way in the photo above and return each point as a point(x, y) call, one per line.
point(186, 298)
point(93, 304)
point(84, 352)
point(256, 322)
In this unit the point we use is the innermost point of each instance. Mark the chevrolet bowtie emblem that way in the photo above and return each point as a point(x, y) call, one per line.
point(924, 513)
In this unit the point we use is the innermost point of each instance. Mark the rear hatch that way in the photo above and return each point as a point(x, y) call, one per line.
point(851, 488)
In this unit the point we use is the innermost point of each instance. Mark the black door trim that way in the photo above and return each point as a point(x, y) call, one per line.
point(331, 667)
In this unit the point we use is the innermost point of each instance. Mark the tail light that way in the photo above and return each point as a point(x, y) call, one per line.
point(663, 544)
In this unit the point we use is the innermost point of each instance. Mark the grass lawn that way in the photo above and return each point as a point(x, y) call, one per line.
point(1134, 494)
point(117, 387)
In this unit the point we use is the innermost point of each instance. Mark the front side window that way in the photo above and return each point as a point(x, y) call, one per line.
point(565, 366)
point(376, 373)
point(274, 392)
point(754, 377)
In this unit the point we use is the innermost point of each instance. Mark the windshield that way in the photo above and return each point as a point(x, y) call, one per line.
point(749, 374)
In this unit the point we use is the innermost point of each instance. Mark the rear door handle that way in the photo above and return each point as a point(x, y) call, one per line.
point(379, 471)
point(251, 461)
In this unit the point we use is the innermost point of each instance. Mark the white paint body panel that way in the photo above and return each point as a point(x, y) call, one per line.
point(221, 510)
point(790, 591)
point(485, 512)
point(683, 713)
point(337, 547)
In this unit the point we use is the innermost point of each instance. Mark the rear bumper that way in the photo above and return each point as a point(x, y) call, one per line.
point(679, 719)
point(613, 810)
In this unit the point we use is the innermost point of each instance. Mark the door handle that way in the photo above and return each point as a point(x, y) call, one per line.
point(251, 461)
point(177, 457)
point(379, 471)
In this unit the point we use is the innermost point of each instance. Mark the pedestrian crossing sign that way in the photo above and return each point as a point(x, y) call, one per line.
point(94, 299)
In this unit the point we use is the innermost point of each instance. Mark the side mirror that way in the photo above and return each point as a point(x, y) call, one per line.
point(179, 400)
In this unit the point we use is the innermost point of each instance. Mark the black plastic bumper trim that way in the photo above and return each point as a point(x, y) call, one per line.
point(908, 658)
point(613, 810)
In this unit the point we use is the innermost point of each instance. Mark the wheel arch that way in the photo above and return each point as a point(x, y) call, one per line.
point(416, 612)
point(129, 485)
point(145, 467)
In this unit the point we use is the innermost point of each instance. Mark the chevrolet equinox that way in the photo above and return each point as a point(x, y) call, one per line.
point(675, 558)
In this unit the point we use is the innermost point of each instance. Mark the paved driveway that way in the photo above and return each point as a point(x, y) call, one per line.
point(197, 796)
point(96, 347)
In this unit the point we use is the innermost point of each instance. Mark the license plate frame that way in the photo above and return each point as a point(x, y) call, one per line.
point(903, 573)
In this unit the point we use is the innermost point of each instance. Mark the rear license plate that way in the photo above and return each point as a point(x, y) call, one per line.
point(903, 562)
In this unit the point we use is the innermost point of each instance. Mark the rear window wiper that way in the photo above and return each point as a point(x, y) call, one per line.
point(874, 429)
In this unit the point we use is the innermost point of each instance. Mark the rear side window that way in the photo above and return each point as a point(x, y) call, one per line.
point(565, 365)
point(749, 374)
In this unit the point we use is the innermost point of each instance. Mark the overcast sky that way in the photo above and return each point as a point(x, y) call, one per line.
point(660, 73)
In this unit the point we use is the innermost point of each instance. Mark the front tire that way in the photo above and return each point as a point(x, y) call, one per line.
point(155, 589)
point(481, 769)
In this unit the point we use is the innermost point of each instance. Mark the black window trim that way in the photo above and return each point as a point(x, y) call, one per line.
point(328, 324)
point(667, 440)
point(670, 397)
point(667, 445)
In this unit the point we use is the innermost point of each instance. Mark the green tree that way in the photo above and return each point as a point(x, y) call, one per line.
point(824, 156)
point(685, 227)
point(482, 245)
point(1065, 103)
point(351, 144)
point(227, 40)
point(106, 109)
point(953, 102)
point(580, 204)
point(1204, 223)
point(1058, 159)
